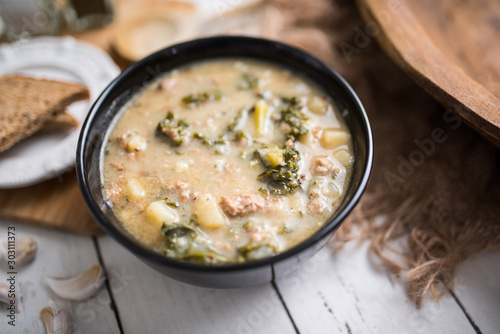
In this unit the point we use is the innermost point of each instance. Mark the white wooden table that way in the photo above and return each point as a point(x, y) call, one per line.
point(334, 292)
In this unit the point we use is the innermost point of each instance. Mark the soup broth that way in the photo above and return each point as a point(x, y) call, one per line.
point(225, 161)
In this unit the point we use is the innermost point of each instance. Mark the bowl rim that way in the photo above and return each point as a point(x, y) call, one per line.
point(143, 252)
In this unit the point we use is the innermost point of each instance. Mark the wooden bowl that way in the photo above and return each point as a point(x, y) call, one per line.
point(450, 48)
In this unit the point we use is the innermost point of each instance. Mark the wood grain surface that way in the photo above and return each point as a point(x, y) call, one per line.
point(450, 48)
point(59, 254)
point(56, 203)
point(344, 292)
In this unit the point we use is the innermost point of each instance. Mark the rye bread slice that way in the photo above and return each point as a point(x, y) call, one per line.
point(26, 104)
point(60, 122)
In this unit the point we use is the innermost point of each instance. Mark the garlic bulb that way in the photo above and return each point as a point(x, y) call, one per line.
point(57, 320)
point(78, 287)
point(25, 250)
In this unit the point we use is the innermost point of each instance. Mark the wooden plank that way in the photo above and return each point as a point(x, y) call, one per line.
point(477, 286)
point(350, 292)
point(61, 255)
point(56, 203)
point(151, 302)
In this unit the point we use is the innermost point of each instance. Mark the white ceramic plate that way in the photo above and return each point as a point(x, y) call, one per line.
point(46, 155)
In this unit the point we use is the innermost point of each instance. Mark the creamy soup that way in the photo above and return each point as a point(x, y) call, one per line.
point(226, 161)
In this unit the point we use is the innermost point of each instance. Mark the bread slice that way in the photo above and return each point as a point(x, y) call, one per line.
point(62, 121)
point(26, 104)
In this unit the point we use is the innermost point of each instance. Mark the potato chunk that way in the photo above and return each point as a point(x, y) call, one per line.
point(209, 216)
point(344, 157)
point(136, 143)
point(317, 105)
point(132, 141)
point(159, 212)
point(333, 138)
point(307, 139)
point(135, 190)
point(275, 156)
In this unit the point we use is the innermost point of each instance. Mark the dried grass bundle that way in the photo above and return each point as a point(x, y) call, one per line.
point(435, 182)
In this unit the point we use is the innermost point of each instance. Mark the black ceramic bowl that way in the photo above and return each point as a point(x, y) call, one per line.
point(98, 121)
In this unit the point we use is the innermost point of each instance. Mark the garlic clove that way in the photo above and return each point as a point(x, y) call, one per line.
point(57, 320)
point(4, 294)
point(78, 287)
point(25, 250)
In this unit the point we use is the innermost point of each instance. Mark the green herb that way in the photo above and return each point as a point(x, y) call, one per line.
point(240, 135)
point(182, 245)
point(178, 230)
point(248, 81)
point(194, 100)
point(175, 133)
point(203, 139)
point(291, 113)
point(237, 120)
point(193, 221)
point(171, 203)
point(291, 100)
point(211, 142)
point(179, 236)
point(183, 124)
point(248, 225)
point(265, 191)
point(283, 179)
point(252, 251)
